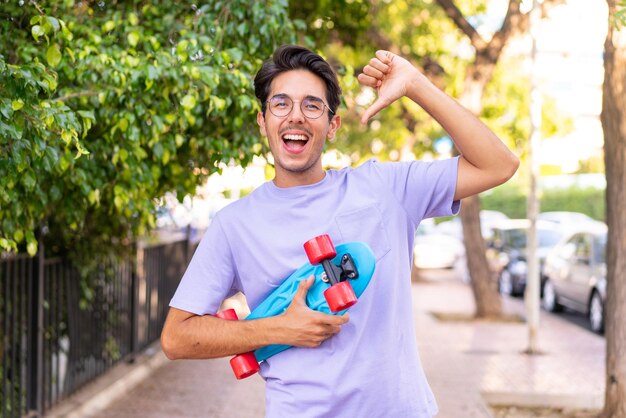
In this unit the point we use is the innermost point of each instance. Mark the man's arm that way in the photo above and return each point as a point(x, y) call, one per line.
point(191, 336)
point(485, 161)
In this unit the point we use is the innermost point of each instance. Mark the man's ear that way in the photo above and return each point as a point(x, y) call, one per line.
point(260, 120)
point(335, 123)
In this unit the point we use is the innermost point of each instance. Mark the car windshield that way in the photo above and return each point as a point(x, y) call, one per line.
point(516, 238)
point(548, 238)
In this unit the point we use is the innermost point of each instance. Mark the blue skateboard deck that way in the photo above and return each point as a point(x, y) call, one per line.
point(280, 299)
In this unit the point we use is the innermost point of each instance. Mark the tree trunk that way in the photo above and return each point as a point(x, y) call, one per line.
point(614, 126)
point(486, 296)
point(484, 287)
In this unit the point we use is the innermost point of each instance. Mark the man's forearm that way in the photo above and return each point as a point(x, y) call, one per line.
point(485, 159)
point(186, 335)
point(471, 136)
point(204, 337)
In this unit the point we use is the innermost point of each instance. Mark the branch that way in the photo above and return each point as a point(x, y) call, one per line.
point(34, 3)
point(461, 22)
point(516, 23)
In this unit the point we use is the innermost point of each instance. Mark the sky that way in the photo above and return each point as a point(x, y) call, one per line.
point(570, 48)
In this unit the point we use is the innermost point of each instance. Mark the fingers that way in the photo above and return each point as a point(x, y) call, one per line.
point(368, 81)
point(303, 289)
point(373, 76)
point(385, 57)
point(322, 332)
point(376, 107)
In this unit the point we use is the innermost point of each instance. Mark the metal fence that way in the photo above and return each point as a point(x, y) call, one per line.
point(58, 331)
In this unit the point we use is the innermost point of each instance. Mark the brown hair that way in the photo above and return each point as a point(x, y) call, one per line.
point(294, 57)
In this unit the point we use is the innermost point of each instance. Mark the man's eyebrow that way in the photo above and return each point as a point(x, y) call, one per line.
point(309, 96)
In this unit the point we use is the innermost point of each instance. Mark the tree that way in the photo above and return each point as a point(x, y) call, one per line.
point(446, 43)
point(613, 118)
point(478, 75)
point(105, 107)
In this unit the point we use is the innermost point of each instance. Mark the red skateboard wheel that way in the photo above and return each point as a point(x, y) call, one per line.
point(228, 314)
point(340, 296)
point(319, 248)
point(245, 364)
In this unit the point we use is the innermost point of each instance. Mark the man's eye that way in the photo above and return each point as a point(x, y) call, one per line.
point(277, 103)
point(312, 105)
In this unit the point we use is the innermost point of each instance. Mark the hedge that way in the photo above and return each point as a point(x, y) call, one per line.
point(512, 200)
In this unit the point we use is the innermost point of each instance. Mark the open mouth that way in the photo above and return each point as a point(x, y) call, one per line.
point(295, 142)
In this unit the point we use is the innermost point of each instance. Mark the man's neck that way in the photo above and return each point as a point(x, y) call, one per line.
point(298, 179)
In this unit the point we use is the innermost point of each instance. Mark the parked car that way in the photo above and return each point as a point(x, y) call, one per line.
point(488, 218)
point(566, 219)
point(508, 256)
point(575, 273)
point(434, 250)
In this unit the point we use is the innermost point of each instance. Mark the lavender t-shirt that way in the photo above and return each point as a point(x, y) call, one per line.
point(371, 368)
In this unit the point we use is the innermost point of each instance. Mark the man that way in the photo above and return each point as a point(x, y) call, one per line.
point(361, 364)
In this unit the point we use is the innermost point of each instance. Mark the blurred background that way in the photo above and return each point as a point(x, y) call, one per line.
point(125, 126)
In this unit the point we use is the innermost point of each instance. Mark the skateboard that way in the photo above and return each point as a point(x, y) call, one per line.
point(341, 276)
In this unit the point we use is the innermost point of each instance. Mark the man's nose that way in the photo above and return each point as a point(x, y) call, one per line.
point(296, 114)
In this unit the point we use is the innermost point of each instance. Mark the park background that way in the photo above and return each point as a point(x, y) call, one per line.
point(117, 118)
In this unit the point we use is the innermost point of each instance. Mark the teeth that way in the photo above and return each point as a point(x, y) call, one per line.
point(295, 137)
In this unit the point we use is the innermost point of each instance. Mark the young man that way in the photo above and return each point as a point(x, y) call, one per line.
point(361, 364)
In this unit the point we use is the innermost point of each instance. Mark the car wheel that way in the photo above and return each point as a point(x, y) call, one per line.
point(506, 283)
point(596, 313)
point(550, 299)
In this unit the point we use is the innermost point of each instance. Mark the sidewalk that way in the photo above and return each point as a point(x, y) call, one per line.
point(468, 363)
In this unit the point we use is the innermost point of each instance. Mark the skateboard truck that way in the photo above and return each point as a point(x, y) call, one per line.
point(340, 295)
point(245, 364)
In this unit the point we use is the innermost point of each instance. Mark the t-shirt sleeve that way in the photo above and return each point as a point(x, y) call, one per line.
point(210, 276)
point(425, 189)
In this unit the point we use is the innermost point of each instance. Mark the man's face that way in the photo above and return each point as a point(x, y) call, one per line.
point(295, 140)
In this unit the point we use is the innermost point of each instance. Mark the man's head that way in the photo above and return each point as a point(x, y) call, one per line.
point(293, 57)
point(296, 89)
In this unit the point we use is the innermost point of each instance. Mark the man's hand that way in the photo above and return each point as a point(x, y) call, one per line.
point(390, 75)
point(304, 327)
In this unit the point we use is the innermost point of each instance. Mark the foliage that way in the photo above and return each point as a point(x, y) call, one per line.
point(326, 20)
point(420, 31)
point(403, 130)
point(511, 199)
point(105, 107)
point(619, 17)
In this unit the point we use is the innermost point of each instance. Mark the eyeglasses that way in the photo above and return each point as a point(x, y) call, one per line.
point(312, 107)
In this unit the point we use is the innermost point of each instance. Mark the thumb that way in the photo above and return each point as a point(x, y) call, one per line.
point(303, 289)
point(376, 107)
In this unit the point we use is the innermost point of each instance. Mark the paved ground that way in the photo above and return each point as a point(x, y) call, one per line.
point(469, 365)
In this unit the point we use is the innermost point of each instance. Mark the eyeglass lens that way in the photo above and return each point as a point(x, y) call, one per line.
point(311, 107)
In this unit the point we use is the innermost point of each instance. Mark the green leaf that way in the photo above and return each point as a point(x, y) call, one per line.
point(188, 102)
point(17, 104)
point(133, 19)
point(53, 55)
point(54, 22)
point(50, 159)
point(31, 243)
point(108, 26)
point(37, 31)
point(28, 180)
point(133, 38)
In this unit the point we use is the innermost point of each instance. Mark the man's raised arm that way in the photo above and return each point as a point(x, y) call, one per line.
point(485, 161)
